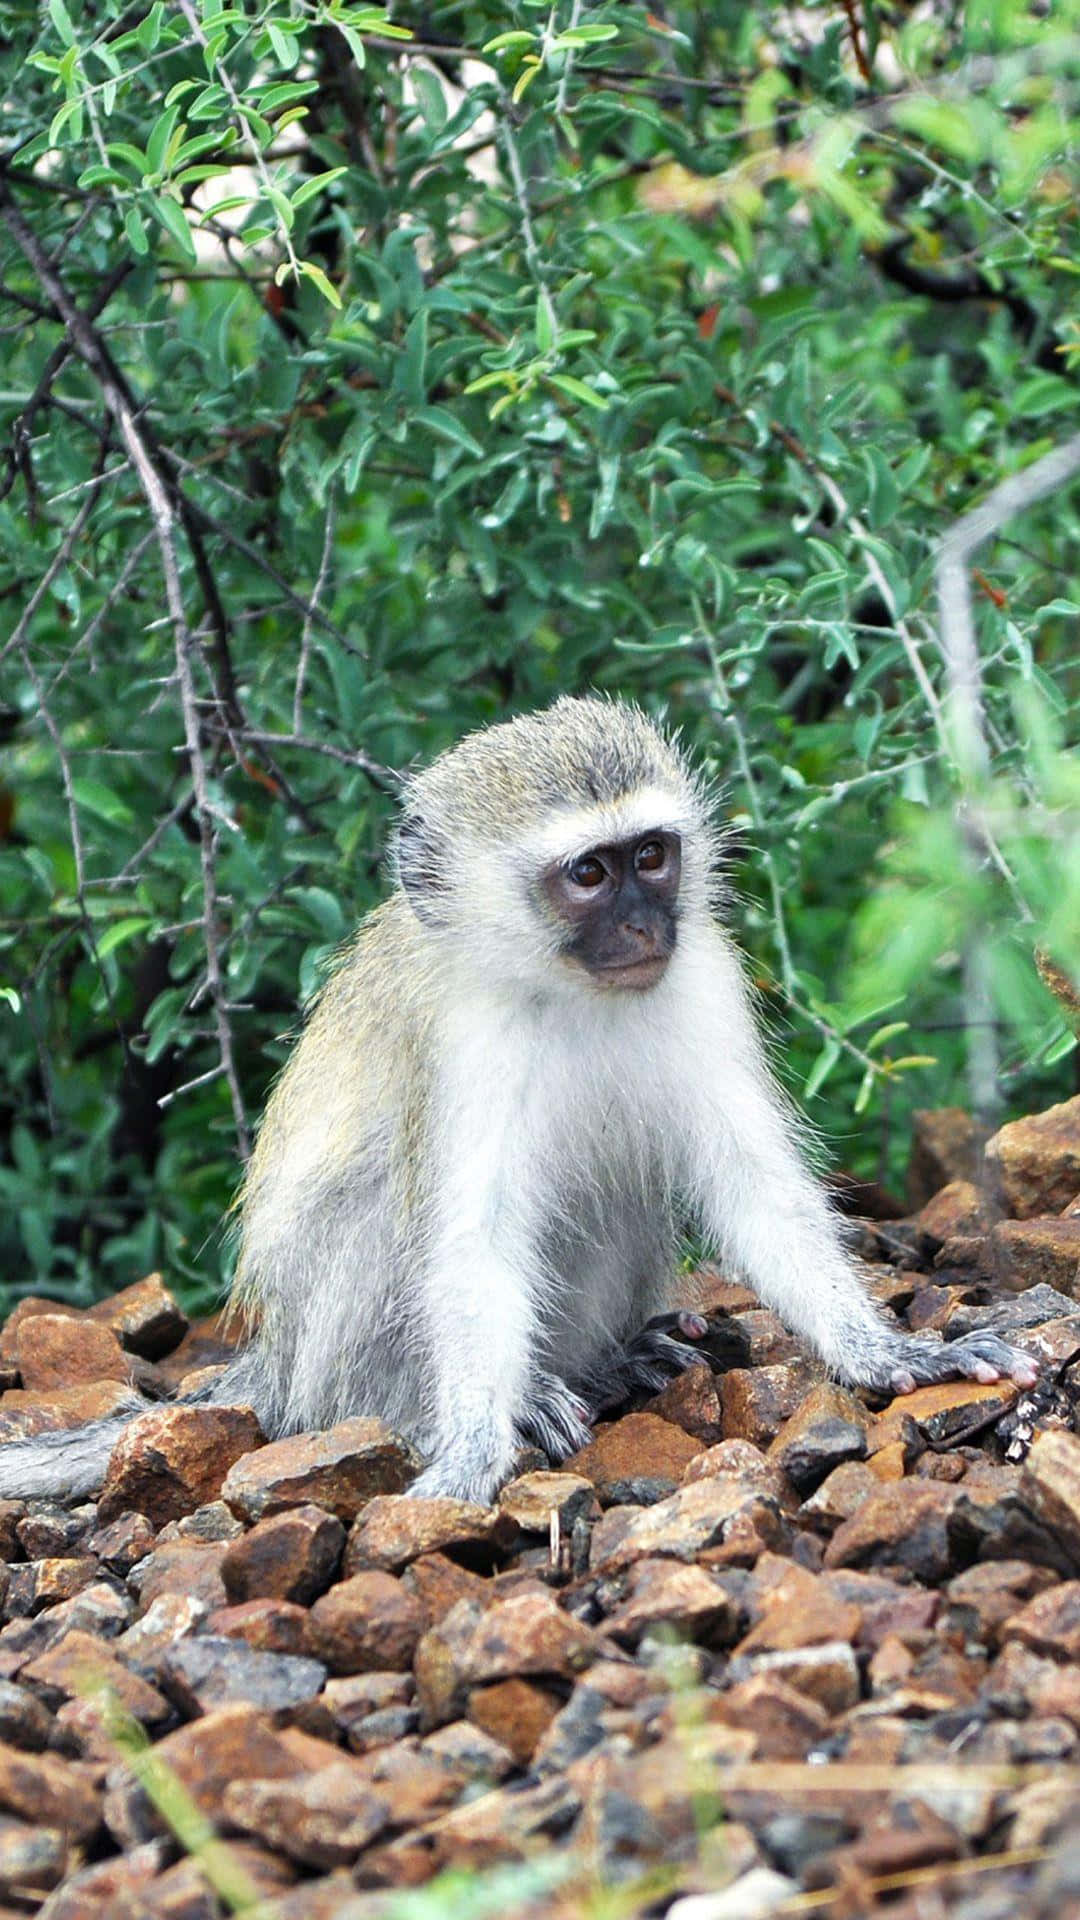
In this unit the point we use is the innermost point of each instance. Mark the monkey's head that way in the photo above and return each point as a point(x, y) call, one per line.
point(563, 847)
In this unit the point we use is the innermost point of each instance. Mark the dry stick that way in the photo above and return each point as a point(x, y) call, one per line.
point(305, 637)
point(156, 492)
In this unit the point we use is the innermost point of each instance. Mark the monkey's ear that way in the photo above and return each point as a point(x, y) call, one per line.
point(420, 859)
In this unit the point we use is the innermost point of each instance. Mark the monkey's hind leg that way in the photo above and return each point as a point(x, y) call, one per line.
point(650, 1360)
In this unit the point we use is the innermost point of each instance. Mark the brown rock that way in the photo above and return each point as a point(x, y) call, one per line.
point(984, 1597)
point(366, 1623)
point(686, 1599)
point(394, 1529)
point(122, 1542)
point(906, 1525)
point(48, 1791)
point(525, 1635)
point(323, 1819)
point(52, 1580)
point(826, 1673)
point(439, 1583)
point(957, 1209)
point(1042, 1251)
point(55, 1350)
point(202, 1672)
point(289, 1556)
point(640, 1446)
point(96, 1892)
point(768, 1341)
point(174, 1458)
point(841, 1494)
point(800, 1609)
point(1050, 1485)
point(234, 1743)
point(705, 1514)
point(80, 1664)
point(828, 1427)
point(944, 1414)
point(354, 1699)
point(190, 1571)
point(1033, 1164)
point(1050, 1623)
point(531, 1501)
point(690, 1401)
point(755, 1402)
point(209, 1342)
point(946, 1145)
point(28, 1308)
point(785, 1724)
point(24, 1415)
point(516, 1713)
point(507, 1824)
point(32, 1859)
point(340, 1469)
point(270, 1626)
point(144, 1317)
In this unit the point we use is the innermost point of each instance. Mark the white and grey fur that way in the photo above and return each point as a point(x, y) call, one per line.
point(463, 1203)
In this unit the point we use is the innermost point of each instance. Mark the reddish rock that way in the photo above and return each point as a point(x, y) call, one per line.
point(49, 1792)
point(1044, 1251)
point(271, 1626)
point(785, 1723)
point(799, 1609)
point(209, 1342)
point(394, 1529)
point(1050, 1485)
point(641, 1446)
point(702, 1515)
point(842, 1493)
point(174, 1458)
point(946, 1145)
point(24, 1415)
point(144, 1317)
point(290, 1556)
point(534, 1500)
point(828, 1427)
point(507, 1824)
point(665, 1593)
point(322, 1820)
point(1049, 1623)
point(826, 1673)
point(234, 1743)
point(957, 1208)
point(28, 1308)
point(366, 1623)
point(56, 1350)
point(527, 1635)
point(81, 1664)
point(190, 1571)
point(755, 1402)
point(517, 1713)
point(907, 1526)
point(690, 1401)
point(120, 1543)
point(1033, 1164)
point(354, 1699)
point(984, 1597)
point(943, 1414)
point(340, 1469)
point(439, 1583)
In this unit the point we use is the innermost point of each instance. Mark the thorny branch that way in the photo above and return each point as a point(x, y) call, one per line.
point(156, 489)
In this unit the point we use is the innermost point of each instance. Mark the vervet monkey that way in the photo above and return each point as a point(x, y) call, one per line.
point(534, 1059)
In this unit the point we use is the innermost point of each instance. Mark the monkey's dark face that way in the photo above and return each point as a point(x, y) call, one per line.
point(617, 905)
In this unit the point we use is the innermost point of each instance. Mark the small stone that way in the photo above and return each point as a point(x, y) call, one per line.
point(340, 1469)
point(192, 1572)
point(209, 1523)
point(366, 1623)
point(55, 1350)
point(753, 1896)
point(946, 1145)
point(704, 1514)
point(394, 1529)
point(323, 1819)
point(798, 1610)
point(24, 1722)
point(208, 1342)
point(531, 1500)
point(1050, 1485)
point(827, 1673)
point(690, 1401)
point(1050, 1623)
point(24, 1415)
point(958, 1208)
point(439, 1583)
point(685, 1598)
point(470, 1751)
point(57, 1579)
point(907, 1525)
point(28, 1308)
point(144, 1317)
point(270, 1626)
point(828, 1427)
point(516, 1713)
point(288, 1556)
point(639, 1446)
point(842, 1493)
point(233, 1743)
point(945, 1414)
point(80, 1665)
point(122, 1542)
point(48, 1792)
point(786, 1725)
point(527, 1635)
point(166, 1619)
point(204, 1672)
point(984, 1597)
point(1010, 1314)
point(358, 1697)
point(1033, 1164)
point(32, 1859)
point(174, 1459)
point(506, 1824)
point(1044, 1251)
point(755, 1402)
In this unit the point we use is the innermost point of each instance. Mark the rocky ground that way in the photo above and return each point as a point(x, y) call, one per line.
point(764, 1647)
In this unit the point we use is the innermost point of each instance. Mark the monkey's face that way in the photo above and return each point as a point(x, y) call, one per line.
point(615, 905)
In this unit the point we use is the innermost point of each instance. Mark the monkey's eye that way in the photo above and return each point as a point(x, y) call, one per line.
point(587, 872)
point(650, 856)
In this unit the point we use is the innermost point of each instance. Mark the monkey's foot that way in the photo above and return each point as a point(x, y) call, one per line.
point(914, 1362)
point(652, 1358)
point(553, 1418)
point(473, 1467)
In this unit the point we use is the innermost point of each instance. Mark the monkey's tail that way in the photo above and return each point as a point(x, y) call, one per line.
point(71, 1464)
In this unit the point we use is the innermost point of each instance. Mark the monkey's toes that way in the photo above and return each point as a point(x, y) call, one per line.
point(987, 1357)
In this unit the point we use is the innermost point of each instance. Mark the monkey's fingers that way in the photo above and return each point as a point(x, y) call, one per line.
point(553, 1418)
point(984, 1357)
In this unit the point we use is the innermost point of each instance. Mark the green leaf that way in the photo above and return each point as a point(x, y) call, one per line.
point(318, 279)
point(440, 420)
point(577, 390)
point(430, 97)
point(314, 184)
point(136, 232)
point(174, 221)
point(102, 801)
point(822, 1067)
point(118, 932)
point(515, 38)
point(160, 134)
point(285, 44)
point(61, 20)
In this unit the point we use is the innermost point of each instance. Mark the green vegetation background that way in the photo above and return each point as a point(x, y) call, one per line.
point(368, 377)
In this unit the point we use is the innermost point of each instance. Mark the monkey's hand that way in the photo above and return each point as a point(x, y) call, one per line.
point(652, 1358)
point(911, 1360)
point(553, 1418)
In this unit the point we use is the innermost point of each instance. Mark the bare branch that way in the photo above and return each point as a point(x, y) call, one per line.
point(305, 637)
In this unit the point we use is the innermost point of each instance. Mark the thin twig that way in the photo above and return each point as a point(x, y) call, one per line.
point(305, 637)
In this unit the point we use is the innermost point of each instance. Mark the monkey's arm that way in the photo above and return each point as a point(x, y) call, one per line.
point(768, 1217)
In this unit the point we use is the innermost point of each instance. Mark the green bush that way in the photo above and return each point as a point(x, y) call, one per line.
point(370, 377)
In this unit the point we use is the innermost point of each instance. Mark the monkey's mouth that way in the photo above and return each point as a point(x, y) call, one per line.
point(635, 974)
